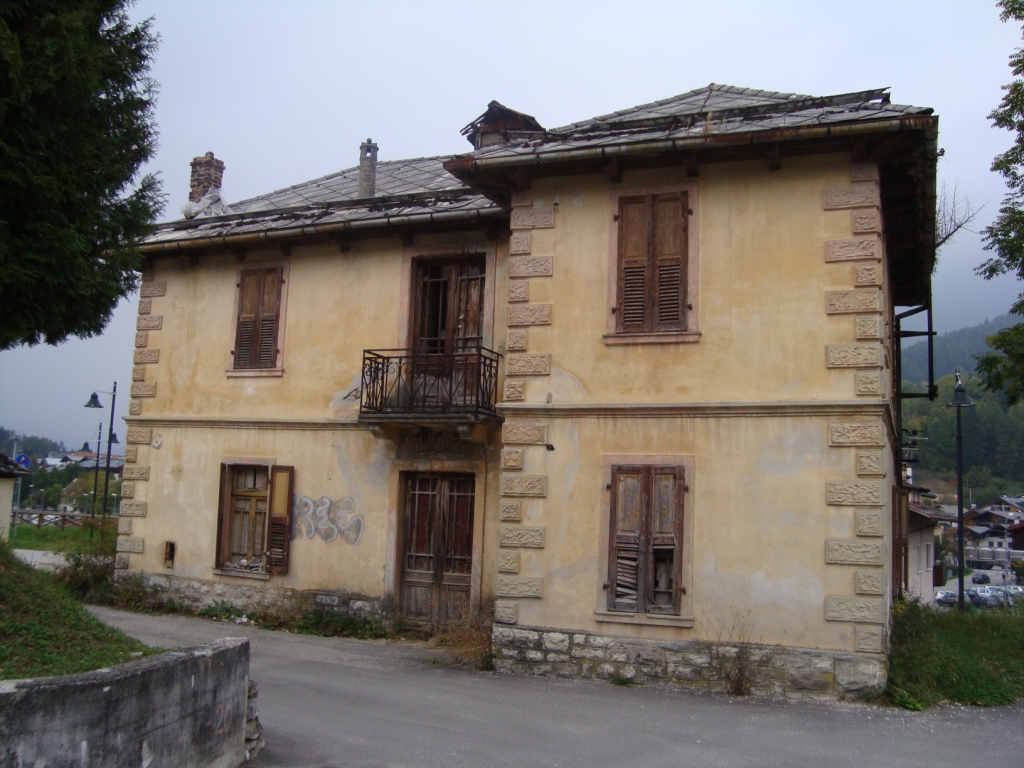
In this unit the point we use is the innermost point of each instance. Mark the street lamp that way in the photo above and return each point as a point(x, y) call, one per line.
point(960, 400)
point(94, 402)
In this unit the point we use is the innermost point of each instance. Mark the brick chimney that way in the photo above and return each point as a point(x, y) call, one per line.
point(367, 168)
point(207, 172)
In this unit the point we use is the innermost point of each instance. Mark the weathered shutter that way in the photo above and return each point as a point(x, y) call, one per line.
point(668, 262)
point(626, 568)
point(666, 539)
point(248, 309)
point(269, 317)
point(634, 264)
point(259, 304)
point(279, 526)
point(223, 516)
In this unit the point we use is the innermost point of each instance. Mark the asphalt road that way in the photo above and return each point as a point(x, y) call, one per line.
point(331, 702)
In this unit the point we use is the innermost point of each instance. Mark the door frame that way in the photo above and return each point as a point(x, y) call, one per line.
point(396, 524)
point(455, 251)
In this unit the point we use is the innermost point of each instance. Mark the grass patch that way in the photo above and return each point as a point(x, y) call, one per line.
point(44, 632)
point(972, 658)
point(52, 538)
point(332, 624)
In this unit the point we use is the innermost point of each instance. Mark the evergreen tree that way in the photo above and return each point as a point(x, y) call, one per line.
point(76, 124)
point(1003, 367)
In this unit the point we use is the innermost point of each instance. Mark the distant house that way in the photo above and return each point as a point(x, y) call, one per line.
point(631, 382)
point(9, 474)
point(927, 522)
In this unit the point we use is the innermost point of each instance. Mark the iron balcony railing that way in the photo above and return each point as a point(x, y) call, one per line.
point(461, 386)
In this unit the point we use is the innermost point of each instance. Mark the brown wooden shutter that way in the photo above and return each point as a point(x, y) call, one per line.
point(634, 264)
point(223, 515)
point(668, 262)
point(666, 539)
point(259, 306)
point(625, 555)
point(279, 527)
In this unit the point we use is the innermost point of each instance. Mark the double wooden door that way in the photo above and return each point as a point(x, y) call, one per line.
point(437, 548)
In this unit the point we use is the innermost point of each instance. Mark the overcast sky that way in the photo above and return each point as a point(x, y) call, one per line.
point(284, 92)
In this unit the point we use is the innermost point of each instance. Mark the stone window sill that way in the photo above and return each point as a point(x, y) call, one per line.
point(246, 373)
point(681, 337)
point(252, 575)
point(651, 619)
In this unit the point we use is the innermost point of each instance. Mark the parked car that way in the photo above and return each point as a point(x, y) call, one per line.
point(1017, 592)
point(981, 578)
point(981, 599)
point(945, 598)
point(1004, 595)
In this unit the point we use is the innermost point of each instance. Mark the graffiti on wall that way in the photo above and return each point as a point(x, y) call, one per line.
point(329, 519)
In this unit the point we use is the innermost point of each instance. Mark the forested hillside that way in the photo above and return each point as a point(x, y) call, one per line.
point(953, 350)
point(993, 440)
point(36, 447)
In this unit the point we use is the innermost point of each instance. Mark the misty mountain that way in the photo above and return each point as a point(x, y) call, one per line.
point(953, 350)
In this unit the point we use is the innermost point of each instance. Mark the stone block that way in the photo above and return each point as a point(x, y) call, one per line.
point(869, 383)
point(135, 408)
point(532, 218)
point(857, 196)
point(136, 473)
point(869, 639)
point(524, 485)
point(511, 458)
point(854, 356)
point(854, 249)
point(528, 365)
point(148, 290)
point(870, 522)
point(865, 275)
point(520, 536)
point(145, 356)
point(530, 266)
point(149, 322)
point(145, 306)
point(138, 373)
point(518, 290)
point(127, 490)
point(855, 434)
point(516, 638)
point(869, 327)
point(525, 434)
point(871, 582)
point(519, 243)
point(121, 561)
point(124, 526)
point(143, 389)
point(850, 302)
point(518, 586)
point(865, 220)
point(859, 676)
point(555, 641)
point(508, 561)
point(854, 494)
point(139, 436)
point(133, 508)
point(511, 510)
point(515, 340)
point(857, 609)
point(141, 339)
point(522, 198)
point(129, 544)
point(131, 454)
point(506, 612)
point(514, 390)
point(869, 463)
point(529, 314)
point(853, 552)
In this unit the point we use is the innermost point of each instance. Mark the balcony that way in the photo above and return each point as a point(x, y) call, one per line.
point(406, 387)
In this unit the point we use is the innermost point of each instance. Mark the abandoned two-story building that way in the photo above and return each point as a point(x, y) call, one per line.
point(630, 380)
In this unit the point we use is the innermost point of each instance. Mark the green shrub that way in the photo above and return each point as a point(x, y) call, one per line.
point(333, 624)
point(976, 657)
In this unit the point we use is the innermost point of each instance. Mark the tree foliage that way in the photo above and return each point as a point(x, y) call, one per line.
point(1003, 367)
point(76, 124)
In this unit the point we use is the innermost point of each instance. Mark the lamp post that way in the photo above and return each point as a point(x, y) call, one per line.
point(94, 402)
point(960, 400)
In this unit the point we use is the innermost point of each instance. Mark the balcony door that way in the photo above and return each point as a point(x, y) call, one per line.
point(449, 306)
point(437, 547)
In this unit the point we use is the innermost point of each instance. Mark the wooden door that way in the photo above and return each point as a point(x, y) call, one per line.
point(437, 548)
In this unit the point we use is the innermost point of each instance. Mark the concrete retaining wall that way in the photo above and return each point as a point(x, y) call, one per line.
point(176, 710)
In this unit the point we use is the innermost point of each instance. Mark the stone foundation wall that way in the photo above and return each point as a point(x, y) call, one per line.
point(259, 596)
point(776, 671)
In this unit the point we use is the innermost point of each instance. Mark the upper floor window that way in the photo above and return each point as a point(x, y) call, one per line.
point(654, 263)
point(259, 320)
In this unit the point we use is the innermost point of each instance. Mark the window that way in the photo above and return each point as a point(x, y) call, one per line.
point(645, 552)
point(653, 263)
point(449, 299)
point(254, 521)
point(259, 326)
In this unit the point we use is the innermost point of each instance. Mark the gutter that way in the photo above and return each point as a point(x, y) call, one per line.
point(268, 236)
point(468, 163)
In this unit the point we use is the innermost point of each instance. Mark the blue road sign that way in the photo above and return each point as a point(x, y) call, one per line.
point(22, 460)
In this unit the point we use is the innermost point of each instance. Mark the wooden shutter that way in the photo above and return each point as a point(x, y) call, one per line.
point(223, 515)
point(666, 539)
point(279, 526)
point(652, 263)
point(625, 550)
point(668, 262)
point(634, 267)
point(259, 306)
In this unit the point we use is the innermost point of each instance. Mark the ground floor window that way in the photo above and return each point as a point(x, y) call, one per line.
point(254, 520)
point(645, 551)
